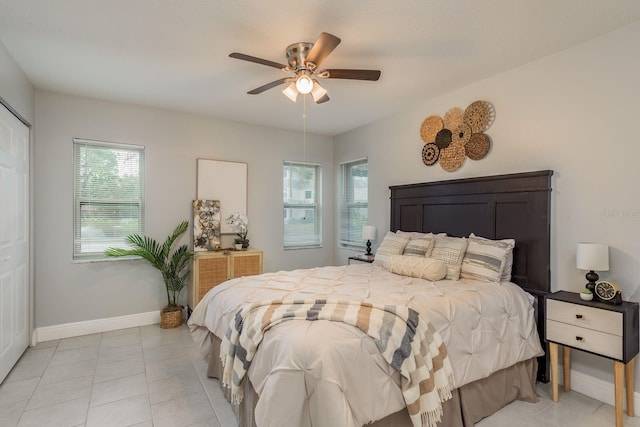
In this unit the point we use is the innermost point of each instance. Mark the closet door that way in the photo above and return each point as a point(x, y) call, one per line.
point(14, 240)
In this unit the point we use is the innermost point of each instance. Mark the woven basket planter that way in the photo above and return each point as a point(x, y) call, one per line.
point(170, 319)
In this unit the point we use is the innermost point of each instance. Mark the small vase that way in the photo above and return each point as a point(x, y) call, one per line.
point(586, 297)
point(245, 243)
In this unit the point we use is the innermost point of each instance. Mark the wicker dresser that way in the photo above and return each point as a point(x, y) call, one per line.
point(212, 268)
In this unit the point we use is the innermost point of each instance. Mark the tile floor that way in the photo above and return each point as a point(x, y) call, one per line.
point(147, 376)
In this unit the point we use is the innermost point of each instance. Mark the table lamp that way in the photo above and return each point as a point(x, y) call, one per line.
point(369, 233)
point(592, 256)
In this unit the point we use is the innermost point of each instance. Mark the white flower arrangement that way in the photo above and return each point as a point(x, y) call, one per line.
point(241, 222)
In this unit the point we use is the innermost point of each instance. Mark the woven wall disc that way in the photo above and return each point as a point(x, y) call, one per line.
point(430, 154)
point(430, 127)
point(443, 138)
point(453, 117)
point(452, 157)
point(461, 134)
point(479, 115)
point(478, 146)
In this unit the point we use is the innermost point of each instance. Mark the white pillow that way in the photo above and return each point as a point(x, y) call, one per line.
point(508, 264)
point(450, 250)
point(485, 259)
point(392, 244)
point(421, 247)
point(423, 268)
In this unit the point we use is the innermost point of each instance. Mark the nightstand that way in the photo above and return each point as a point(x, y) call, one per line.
point(360, 259)
point(599, 328)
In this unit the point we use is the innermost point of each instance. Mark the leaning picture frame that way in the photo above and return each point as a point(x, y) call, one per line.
point(225, 181)
point(206, 225)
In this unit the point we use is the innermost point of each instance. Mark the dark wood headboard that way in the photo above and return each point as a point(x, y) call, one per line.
point(516, 206)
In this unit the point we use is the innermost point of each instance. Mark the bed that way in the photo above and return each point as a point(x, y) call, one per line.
point(328, 373)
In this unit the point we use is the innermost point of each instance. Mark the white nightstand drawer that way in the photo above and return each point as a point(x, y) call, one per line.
point(609, 322)
point(593, 341)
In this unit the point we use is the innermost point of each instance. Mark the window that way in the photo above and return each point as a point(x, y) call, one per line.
point(355, 202)
point(301, 189)
point(108, 196)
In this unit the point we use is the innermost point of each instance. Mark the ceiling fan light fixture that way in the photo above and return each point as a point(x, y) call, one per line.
point(291, 92)
point(304, 84)
point(318, 91)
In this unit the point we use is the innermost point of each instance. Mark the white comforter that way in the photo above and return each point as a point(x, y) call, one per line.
point(332, 373)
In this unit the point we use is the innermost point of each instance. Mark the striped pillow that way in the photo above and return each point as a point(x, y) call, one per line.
point(508, 265)
point(450, 250)
point(485, 259)
point(392, 244)
point(421, 247)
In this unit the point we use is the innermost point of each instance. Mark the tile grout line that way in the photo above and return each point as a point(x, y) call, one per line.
point(206, 392)
point(37, 384)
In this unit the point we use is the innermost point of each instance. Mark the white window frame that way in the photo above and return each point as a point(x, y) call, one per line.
point(348, 203)
point(80, 253)
point(316, 205)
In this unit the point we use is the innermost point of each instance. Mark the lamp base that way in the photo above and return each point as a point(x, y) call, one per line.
point(368, 248)
point(592, 277)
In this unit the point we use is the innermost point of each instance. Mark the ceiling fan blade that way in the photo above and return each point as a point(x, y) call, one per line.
point(260, 61)
point(336, 73)
point(325, 98)
point(269, 86)
point(321, 49)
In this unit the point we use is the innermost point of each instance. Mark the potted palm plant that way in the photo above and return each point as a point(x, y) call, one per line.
point(174, 267)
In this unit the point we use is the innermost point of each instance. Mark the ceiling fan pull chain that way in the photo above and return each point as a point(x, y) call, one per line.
point(304, 129)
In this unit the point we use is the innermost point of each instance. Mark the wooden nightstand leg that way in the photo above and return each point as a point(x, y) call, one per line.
point(630, 383)
point(618, 381)
point(553, 356)
point(566, 368)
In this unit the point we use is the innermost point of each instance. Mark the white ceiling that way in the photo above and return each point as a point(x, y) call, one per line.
point(174, 53)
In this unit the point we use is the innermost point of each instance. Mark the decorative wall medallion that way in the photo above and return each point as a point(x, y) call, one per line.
point(430, 127)
point(430, 153)
point(459, 134)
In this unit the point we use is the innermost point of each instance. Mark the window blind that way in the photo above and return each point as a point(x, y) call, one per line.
point(108, 196)
point(301, 202)
point(354, 210)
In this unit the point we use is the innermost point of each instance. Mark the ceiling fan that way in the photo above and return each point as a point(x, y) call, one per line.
point(304, 60)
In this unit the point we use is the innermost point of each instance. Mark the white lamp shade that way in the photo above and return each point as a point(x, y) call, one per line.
point(291, 92)
point(318, 91)
point(592, 256)
point(369, 232)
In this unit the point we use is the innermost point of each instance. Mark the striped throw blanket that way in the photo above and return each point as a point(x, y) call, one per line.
point(408, 342)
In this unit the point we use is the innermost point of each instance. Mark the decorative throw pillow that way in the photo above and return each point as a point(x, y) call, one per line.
point(421, 247)
point(486, 259)
point(450, 250)
point(508, 266)
point(423, 268)
point(392, 244)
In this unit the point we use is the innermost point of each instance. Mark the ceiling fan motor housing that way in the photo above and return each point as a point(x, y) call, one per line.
point(296, 54)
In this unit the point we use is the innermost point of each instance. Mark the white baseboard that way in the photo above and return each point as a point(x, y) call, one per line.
point(595, 388)
point(75, 329)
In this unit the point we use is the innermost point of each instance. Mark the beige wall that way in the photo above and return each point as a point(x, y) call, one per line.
point(575, 112)
point(69, 292)
point(15, 87)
